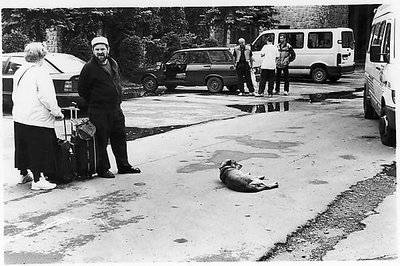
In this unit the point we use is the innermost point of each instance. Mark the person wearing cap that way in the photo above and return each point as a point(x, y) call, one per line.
point(243, 62)
point(99, 84)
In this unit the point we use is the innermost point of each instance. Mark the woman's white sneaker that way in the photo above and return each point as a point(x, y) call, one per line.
point(42, 184)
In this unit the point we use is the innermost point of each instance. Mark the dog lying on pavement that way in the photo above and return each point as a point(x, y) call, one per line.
point(233, 178)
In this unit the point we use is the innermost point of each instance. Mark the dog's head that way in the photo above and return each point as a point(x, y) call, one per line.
point(230, 164)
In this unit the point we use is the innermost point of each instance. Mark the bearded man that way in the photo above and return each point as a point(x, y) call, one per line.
point(99, 84)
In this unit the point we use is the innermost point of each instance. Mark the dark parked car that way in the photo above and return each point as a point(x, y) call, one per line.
point(64, 69)
point(213, 67)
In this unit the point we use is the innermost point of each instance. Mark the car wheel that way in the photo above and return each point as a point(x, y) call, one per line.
point(150, 83)
point(232, 88)
point(369, 112)
point(319, 75)
point(170, 87)
point(214, 84)
point(388, 135)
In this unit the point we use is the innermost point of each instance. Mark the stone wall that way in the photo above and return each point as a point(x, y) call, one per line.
point(313, 16)
point(53, 40)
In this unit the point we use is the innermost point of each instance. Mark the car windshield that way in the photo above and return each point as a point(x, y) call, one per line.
point(65, 62)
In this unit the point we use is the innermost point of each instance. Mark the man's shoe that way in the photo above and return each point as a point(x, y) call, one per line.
point(251, 94)
point(26, 178)
point(241, 94)
point(260, 95)
point(42, 184)
point(106, 174)
point(285, 93)
point(129, 170)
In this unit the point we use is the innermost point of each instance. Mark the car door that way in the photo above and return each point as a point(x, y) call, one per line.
point(175, 68)
point(223, 65)
point(198, 67)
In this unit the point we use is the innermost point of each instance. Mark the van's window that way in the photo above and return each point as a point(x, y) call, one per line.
point(378, 33)
point(258, 45)
point(347, 39)
point(386, 43)
point(296, 39)
point(371, 37)
point(320, 40)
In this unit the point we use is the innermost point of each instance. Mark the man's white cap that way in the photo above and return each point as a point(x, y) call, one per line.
point(98, 40)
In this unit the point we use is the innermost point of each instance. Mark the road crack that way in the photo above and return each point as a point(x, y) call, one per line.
point(343, 216)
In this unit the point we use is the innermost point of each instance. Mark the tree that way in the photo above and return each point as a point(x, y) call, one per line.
point(244, 19)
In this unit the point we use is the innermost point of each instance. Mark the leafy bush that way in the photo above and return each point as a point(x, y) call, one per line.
point(210, 42)
point(79, 47)
point(130, 54)
point(172, 42)
point(14, 42)
point(154, 52)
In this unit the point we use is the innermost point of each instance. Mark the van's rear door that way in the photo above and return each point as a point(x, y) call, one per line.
point(346, 50)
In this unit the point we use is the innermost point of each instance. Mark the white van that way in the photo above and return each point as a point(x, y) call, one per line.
point(381, 70)
point(320, 53)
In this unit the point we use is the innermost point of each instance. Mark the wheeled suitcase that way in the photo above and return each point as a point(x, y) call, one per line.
point(84, 148)
point(65, 161)
point(85, 155)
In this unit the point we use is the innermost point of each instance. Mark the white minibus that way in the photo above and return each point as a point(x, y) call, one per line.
point(382, 72)
point(323, 54)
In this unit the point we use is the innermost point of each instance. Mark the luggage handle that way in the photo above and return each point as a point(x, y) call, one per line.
point(73, 111)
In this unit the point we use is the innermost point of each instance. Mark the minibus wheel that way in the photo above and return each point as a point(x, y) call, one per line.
point(319, 75)
point(388, 135)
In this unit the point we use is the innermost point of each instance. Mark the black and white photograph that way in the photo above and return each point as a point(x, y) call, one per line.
point(258, 132)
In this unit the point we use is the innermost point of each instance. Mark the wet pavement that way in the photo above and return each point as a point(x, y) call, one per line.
point(177, 210)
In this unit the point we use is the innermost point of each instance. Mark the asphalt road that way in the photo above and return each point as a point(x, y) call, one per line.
point(321, 151)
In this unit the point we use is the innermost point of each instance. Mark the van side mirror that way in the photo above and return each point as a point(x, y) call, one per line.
point(375, 53)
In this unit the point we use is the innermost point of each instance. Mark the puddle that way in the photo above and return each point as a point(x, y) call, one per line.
point(133, 133)
point(320, 97)
point(262, 108)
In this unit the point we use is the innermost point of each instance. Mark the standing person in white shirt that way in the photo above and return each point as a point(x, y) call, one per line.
point(34, 112)
point(269, 53)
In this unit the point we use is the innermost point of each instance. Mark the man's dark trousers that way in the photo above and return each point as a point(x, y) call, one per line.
point(243, 74)
point(110, 126)
point(285, 77)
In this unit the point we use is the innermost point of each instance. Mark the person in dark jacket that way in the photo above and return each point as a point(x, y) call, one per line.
point(286, 56)
point(244, 63)
point(99, 85)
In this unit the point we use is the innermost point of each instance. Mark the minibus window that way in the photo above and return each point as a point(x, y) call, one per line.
point(296, 40)
point(386, 44)
point(319, 40)
point(347, 39)
point(378, 33)
point(258, 45)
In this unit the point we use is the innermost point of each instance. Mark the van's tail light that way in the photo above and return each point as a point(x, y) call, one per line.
point(338, 59)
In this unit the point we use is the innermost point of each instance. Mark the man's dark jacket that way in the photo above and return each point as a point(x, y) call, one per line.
point(101, 90)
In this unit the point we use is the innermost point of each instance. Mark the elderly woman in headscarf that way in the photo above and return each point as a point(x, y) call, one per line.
point(35, 111)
